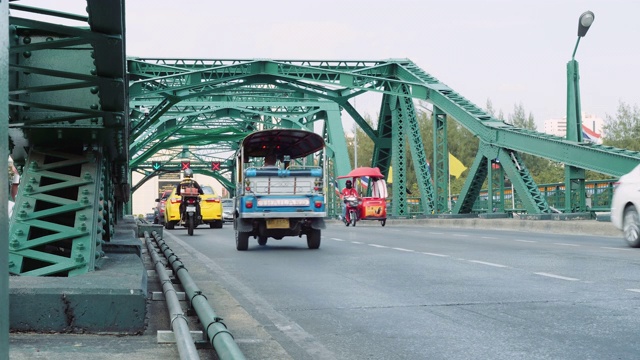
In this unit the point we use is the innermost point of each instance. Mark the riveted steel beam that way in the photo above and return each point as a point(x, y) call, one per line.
point(59, 217)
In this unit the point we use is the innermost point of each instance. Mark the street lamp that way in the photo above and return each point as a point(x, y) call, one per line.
point(574, 111)
point(575, 177)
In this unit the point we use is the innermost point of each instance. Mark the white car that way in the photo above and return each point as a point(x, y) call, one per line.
point(227, 210)
point(625, 206)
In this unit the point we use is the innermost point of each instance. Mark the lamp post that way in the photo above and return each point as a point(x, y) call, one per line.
point(574, 112)
point(575, 177)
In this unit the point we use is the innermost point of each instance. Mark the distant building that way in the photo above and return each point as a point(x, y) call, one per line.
point(591, 127)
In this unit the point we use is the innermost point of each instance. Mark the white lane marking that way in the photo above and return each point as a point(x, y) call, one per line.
point(435, 233)
point(402, 249)
point(434, 254)
point(463, 235)
point(634, 290)
point(612, 248)
point(565, 244)
point(525, 241)
point(488, 237)
point(488, 263)
point(378, 246)
point(556, 276)
point(357, 242)
point(336, 239)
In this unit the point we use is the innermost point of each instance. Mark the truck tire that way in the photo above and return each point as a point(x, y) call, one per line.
point(242, 241)
point(313, 238)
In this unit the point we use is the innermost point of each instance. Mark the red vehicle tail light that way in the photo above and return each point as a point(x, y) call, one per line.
point(176, 201)
point(249, 204)
point(212, 200)
point(318, 204)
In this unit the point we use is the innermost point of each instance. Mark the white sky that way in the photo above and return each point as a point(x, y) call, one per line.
point(509, 51)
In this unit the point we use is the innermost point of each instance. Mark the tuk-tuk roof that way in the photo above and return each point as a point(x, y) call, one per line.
point(293, 142)
point(363, 171)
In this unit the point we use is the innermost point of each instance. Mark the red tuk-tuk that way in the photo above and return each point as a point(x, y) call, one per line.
point(372, 207)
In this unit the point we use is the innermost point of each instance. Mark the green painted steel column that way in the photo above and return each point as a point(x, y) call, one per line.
point(336, 146)
point(574, 111)
point(4, 184)
point(398, 158)
point(573, 176)
point(440, 161)
point(419, 156)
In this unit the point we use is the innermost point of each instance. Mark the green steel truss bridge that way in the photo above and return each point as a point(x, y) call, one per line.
point(83, 117)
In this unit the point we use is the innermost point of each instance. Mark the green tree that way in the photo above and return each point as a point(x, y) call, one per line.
point(519, 118)
point(490, 110)
point(623, 130)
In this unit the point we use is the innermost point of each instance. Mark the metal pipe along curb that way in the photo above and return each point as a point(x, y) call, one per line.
point(217, 333)
point(179, 323)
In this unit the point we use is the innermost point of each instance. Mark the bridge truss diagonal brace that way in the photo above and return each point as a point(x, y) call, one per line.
point(418, 155)
point(398, 156)
point(59, 220)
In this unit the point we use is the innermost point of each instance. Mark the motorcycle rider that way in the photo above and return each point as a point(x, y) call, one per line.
point(186, 182)
point(349, 190)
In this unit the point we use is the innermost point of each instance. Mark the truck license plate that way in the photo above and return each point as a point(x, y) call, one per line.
point(277, 223)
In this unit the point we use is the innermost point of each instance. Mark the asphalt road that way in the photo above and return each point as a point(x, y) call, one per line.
point(411, 292)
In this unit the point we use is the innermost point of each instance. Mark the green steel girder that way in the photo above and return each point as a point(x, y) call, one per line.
point(420, 162)
point(353, 75)
point(524, 186)
point(472, 186)
point(59, 224)
point(599, 158)
point(398, 157)
point(68, 84)
point(382, 149)
point(210, 137)
point(526, 189)
point(336, 150)
point(440, 161)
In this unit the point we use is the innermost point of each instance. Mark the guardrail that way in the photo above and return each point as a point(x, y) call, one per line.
point(598, 193)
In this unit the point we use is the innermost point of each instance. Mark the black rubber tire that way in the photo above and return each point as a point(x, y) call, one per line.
point(383, 222)
point(190, 226)
point(313, 238)
point(631, 227)
point(217, 224)
point(262, 240)
point(242, 241)
point(170, 225)
point(353, 217)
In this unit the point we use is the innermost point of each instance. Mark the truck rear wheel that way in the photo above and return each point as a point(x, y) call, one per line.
point(242, 240)
point(313, 238)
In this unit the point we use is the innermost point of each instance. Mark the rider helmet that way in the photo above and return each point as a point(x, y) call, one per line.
point(348, 184)
point(188, 173)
